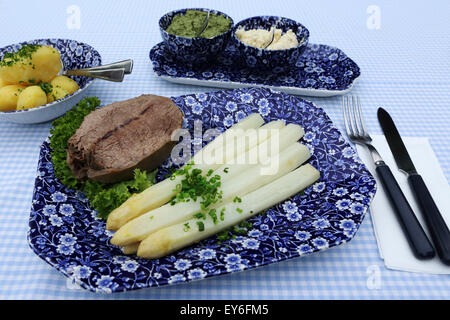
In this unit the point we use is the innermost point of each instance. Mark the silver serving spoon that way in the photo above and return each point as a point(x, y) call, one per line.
point(271, 40)
point(205, 25)
point(110, 72)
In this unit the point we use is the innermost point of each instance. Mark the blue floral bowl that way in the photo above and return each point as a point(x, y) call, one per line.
point(194, 52)
point(275, 61)
point(74, 55)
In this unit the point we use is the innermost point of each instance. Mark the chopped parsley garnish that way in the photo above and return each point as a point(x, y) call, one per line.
point(239, 229)
point(46, 87)
point(201, 226)
point(239, 210)
point(194, 186)
point(246, 225)
point(187, 227)
point(22, 56)
point(222, 214)
point(226, 170)
point(103, 197)
point(200, 215)
point(213, 215)
point(242, 228)
point(224, 235)
point(237, 199)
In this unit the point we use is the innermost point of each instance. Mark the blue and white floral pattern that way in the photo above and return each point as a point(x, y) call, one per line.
point(324, 215)
point(313, 71)
point(272, 61)
point(74, 55)
point(193, 52)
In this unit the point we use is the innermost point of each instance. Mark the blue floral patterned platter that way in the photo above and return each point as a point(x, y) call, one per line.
point(64, 230)
point(74, 55)
point(321, 71)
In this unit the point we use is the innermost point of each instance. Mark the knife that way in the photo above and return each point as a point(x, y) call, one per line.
point(437, 227)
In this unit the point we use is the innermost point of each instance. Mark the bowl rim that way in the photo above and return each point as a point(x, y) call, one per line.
point(45, 106)
point(303, 43)
point(174, 12)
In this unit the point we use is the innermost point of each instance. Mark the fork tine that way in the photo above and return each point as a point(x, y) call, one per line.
point(361, 119)
point(352, 117)
point(356, 116)
point(346, 116)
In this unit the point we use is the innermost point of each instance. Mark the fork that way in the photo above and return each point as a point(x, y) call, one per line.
point(357, 132)
point(111, 72)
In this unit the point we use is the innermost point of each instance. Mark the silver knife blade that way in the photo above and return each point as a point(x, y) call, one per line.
point(395, 142)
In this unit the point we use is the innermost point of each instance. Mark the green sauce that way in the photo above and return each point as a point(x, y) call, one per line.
point(191, 23)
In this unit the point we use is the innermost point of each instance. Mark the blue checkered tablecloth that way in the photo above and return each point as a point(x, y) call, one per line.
point(403, 49)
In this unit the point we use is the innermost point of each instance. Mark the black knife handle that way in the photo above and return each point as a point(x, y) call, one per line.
point(433, 218)
point(417, 239)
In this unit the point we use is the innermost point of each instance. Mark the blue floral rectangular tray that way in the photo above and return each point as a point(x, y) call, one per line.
point(321, 71)
point(65, 232)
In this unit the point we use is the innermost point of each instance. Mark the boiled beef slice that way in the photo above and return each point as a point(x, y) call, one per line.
point(114, 140)
point(95, 127)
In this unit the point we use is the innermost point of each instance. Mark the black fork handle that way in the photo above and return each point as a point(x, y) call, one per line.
point(416, 236)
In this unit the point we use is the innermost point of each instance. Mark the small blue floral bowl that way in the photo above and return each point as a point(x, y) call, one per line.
point(194, 52)
point(275, 61)
point(74, 55)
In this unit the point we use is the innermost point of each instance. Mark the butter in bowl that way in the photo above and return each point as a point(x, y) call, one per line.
point(270, 43)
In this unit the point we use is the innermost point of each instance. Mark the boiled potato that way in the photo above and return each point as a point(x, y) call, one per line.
point(56, 94)
point(65, 83)
point(8, 97)
point(30, 97)
point(32, 64)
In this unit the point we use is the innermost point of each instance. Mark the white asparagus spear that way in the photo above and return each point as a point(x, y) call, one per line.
point(277, 142)
point(252, 121)
point(241, 141)
point(160, 193)
point(131, 248)
point(252, 179)
point(172, 238)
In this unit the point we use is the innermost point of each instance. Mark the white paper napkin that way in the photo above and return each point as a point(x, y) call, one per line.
point(392, 244)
